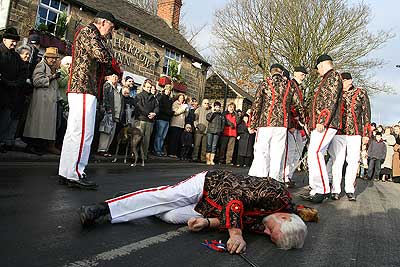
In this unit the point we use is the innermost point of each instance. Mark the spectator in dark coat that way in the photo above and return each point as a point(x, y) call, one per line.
point(244, 143)
point(216, 122)
point(163, 118)
point(187, 142)
point(376, 156)
point(10, 80)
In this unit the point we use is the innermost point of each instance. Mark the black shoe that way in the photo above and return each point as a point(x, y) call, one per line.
point(94, 214)
point(335, 196)
point(83, 183)
point(62, 180)
point(317, 198)
point(351, 196)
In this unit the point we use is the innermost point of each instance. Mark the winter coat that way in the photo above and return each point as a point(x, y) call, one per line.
point(200, 122)
point(11, 79)
point(180, 113)
point(187, 139)
point(272, 102)
point(377, 150)
point(396, 160)
point(390, 141)
point(230, 125)
point(41, 119)
point(355, 113)
point(90, 58)
point(245, 146)
point(20, 101)
point(63, 83)
point(216, 122)
point(326, 102)
point(112, 101)
point(145, 103)
point(165, 107)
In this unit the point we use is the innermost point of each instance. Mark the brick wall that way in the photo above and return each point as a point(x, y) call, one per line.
point(170, 11)
point(23, 15)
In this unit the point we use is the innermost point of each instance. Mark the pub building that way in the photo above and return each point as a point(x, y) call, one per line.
point(145, 44)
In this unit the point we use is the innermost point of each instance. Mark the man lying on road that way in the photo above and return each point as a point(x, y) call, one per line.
point(215, 199)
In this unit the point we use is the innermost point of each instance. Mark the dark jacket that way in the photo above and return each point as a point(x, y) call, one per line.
point(377, 150)
point(190, 117)
point(325, 108)
point(272, 102)
point(355, 112)
point(245, 146)
point(90, 58)
point(11, 76)
point(128, 109)
point(297, 111)
point(145, 103)
point(165, 107)
point(187, 139)
point(238, 200)
point(216, 122)
point(21, 95)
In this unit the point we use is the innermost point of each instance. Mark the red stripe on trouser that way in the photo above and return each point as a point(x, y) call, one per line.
point(149, 190)
point(82, 136)
point(319, 163)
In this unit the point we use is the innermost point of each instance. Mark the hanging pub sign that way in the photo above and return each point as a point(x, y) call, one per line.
point(129, 52)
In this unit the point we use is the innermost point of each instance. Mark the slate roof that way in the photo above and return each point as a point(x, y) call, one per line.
point(234, 87)
point(131, 16)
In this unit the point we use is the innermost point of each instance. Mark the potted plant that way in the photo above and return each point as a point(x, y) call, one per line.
point(178, 82)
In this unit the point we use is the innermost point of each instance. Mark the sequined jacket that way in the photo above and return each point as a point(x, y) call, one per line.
point(271, 106)
point(326, 103)
point(356, 113)
point(90, 57)
point(242, 201)
point(297, 111)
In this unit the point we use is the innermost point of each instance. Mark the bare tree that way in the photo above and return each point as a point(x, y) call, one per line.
point(252, 34)
point(148, 5)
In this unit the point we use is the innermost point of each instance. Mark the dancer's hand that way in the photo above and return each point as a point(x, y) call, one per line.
point(236, 243)
point(197, 224)
point(320, 128)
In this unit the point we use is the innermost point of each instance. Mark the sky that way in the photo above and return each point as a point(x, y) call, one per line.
point(384, 16)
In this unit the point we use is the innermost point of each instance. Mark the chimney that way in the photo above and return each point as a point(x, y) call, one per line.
point(170, 12)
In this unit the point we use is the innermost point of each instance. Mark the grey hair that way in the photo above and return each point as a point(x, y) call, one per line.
point(294, 232)
point(22, 48)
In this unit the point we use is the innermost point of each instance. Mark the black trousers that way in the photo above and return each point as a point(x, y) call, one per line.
point(174, 140)
point(243, 161)
point(374, 168)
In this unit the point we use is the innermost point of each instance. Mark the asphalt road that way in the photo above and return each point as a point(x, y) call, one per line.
point(39, 225)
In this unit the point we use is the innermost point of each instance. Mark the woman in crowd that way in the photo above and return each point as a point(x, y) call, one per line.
point(387, 166)
point(41, 120)
point(245, 147)
point(396, 155)
point(227, 141)
point(112, 109)
point(163, 118)
point(177, 125)
point(216, 122)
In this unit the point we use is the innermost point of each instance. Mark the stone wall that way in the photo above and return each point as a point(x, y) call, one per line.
point(23, 15)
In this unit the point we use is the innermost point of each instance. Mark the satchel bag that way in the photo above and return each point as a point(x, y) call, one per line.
point(106, 124)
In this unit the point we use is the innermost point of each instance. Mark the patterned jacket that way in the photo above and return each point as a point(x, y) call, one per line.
point(242, 201)
point(325, 107)
point(356, 113)
point(296, 111)
point(90, 57)
point(273, 99)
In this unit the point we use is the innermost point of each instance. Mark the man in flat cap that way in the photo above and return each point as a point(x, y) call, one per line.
point(296, 136)
point(11, 80)
point(270, 119)
point(91, 59)
point(346, 144)
point(324, 123)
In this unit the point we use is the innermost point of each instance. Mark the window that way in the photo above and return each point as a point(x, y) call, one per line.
point(48, 13)
point(170, 56)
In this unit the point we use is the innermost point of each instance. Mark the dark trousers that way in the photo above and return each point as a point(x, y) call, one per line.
point(243, 161)
point(227, 145)
point(186, 152)
point(174, 139)
point(374, 168)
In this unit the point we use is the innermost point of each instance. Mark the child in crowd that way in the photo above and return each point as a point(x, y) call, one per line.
point(363, 161)
point(187, 142)
point(216, 123)
point(376, 156)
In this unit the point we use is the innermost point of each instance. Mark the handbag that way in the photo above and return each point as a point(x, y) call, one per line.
point(106, 124)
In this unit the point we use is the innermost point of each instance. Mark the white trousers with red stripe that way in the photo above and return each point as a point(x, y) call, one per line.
point(171, 203)
point(269, 150)
point(344, 147)
point(78, 136)
point(294, 148)
point(318, 175)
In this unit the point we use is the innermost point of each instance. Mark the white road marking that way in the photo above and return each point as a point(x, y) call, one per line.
point(127, 249)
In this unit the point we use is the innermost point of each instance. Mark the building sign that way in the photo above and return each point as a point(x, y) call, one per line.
point(129, 51)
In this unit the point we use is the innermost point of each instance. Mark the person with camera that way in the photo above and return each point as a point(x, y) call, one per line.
point(41, 120)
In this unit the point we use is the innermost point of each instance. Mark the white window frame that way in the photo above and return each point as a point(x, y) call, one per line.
point(175, 56)
point(51, 9)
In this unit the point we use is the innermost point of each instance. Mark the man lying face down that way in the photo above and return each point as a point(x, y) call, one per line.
point(215, 199)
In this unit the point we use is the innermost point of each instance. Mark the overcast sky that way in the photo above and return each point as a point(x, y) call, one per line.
point(385, 16)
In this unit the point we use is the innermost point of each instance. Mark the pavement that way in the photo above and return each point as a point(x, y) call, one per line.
point(39, 225)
